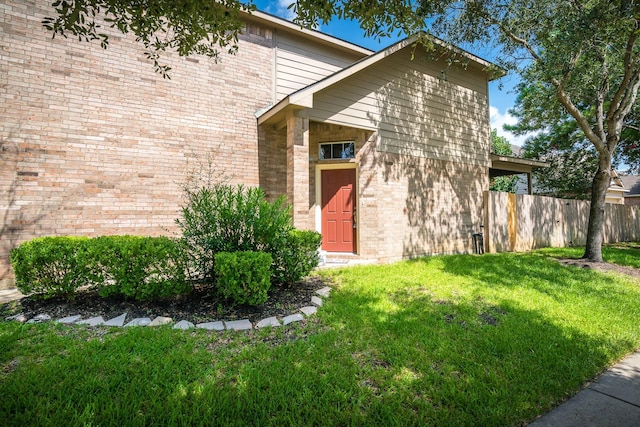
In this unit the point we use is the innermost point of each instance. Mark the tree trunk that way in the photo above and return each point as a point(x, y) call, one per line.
point(601, 182)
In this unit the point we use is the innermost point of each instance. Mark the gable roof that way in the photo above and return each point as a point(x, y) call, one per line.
point(631, 183)
point(303, 98)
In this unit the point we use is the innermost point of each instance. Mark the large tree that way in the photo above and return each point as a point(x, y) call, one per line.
point(559, 141)
point(585, 53)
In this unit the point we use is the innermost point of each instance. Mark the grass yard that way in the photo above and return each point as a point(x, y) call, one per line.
point(492, 340)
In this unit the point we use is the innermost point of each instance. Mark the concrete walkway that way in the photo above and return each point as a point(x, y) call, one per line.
point(613, 399)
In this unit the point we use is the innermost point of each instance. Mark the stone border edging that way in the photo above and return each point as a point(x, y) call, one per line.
point(220, 325)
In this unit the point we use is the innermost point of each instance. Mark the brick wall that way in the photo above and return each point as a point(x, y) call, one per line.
point(93, 142)
point(408, 206)
point(273, 160)
point(423, 207)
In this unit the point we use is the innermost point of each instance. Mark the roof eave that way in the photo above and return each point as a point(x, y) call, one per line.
point(303, 98)
point(276, 112)
point(281, 23)
point(519, 161)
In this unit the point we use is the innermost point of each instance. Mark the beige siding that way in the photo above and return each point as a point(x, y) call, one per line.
point(300, 63)
point(417, 109)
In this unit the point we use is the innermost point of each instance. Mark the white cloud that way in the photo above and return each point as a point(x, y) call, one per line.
point(498, 120)
point(281, 9)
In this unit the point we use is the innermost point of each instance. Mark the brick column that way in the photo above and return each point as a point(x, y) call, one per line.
point(298, 167)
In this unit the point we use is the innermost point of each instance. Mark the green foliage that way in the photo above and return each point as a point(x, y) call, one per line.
point(225, 218)
point(138, 267)
point(244, 276)
point(296, 257)
point(135, 267)
point(560, 142)
point(51, 266)
point(501, 146)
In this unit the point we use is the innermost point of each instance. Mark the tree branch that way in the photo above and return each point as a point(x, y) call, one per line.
point(511, 35)
point(615, 127)
point(600, 97)
point(628, 65)
point(582, 121)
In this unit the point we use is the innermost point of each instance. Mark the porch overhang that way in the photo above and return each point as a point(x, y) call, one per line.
point(507, 165)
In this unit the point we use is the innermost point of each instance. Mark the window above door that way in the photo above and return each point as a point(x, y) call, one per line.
point(337, 150)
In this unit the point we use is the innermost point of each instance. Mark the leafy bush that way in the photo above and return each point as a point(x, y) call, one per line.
point(224, 218)
point(138, 267)
point(51, 266)
point(297, 257)
point(244, 276)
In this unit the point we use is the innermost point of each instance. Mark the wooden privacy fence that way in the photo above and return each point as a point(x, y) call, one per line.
point(519, 222)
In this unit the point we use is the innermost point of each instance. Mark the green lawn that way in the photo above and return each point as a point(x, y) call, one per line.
point(454, 340)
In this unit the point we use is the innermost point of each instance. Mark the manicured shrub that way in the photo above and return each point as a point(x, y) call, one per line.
point(51, 266)
point(138, 267)
point(296, 257)
point(244, 276)
point(224, 218)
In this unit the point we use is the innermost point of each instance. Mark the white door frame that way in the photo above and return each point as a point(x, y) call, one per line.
point(336, 166)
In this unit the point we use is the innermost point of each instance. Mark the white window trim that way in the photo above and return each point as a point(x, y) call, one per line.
point(320, 144)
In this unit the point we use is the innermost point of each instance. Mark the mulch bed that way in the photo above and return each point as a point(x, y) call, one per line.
point(601, 266)
point(202, 305)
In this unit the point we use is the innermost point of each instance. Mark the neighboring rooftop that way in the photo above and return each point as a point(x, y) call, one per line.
point(631, 183)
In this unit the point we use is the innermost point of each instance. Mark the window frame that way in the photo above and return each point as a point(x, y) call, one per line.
point(332, 144)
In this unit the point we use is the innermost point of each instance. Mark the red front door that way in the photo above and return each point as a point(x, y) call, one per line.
point(338, 210)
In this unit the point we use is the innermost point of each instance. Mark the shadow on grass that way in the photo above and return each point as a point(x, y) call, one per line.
point(392, 354)
point(531, 272)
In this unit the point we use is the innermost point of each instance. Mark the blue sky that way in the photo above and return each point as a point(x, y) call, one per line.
point(500, 99)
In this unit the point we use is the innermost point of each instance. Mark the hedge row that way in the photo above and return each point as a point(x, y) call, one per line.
point(147, 268)
point(232, 225)
point(132, 266)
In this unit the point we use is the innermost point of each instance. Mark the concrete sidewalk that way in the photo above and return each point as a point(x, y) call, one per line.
point(613, 399)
